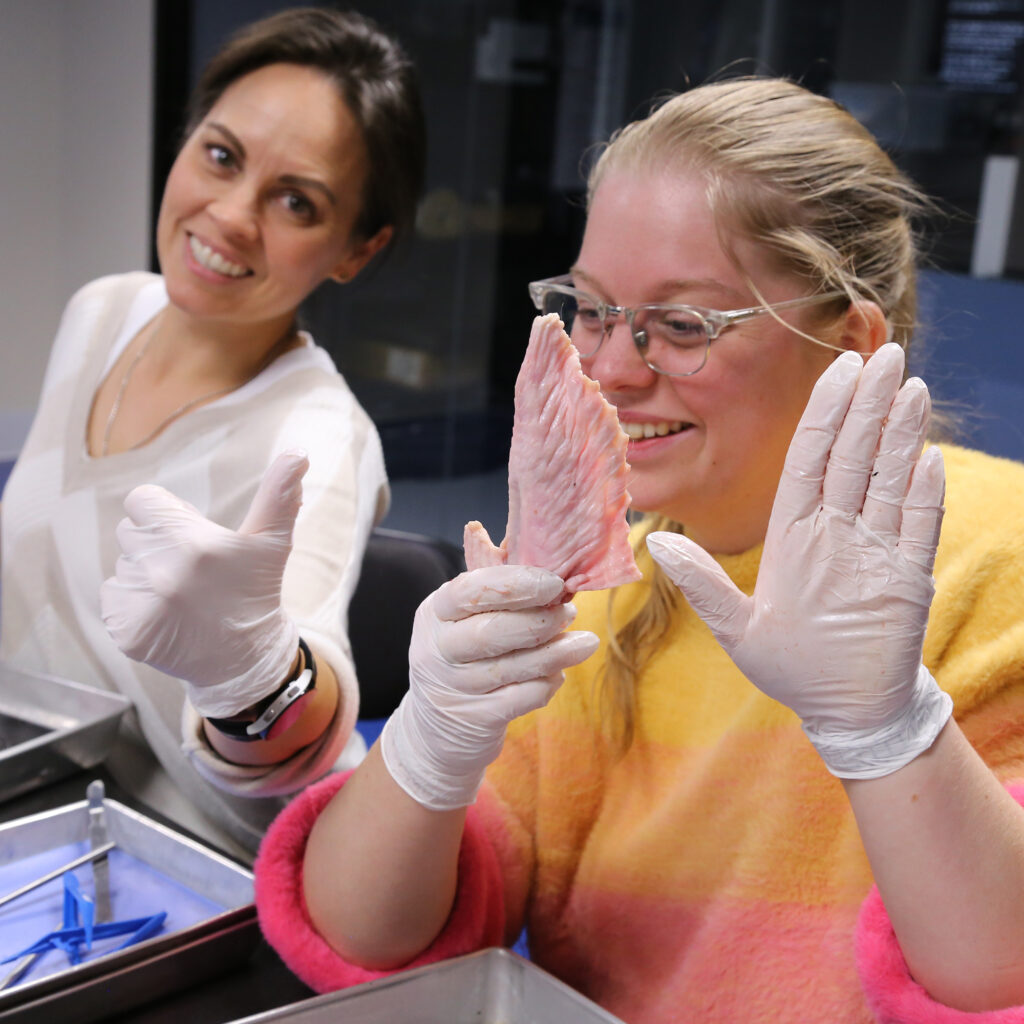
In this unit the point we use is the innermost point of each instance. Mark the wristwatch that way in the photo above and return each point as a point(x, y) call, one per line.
point(277, 711)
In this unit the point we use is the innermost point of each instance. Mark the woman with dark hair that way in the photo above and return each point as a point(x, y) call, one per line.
point(303, 159)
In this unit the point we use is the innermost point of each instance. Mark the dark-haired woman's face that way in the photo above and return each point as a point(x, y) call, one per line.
point(261, 203)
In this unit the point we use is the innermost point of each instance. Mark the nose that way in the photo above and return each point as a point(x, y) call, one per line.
point(235, 211)
point(617, 364)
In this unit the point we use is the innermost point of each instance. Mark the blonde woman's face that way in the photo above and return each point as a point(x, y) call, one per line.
point(650, 237)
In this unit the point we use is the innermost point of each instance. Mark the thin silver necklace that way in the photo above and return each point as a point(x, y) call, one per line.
point(275, 350)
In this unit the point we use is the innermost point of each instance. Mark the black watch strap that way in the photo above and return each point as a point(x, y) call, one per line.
point(258, 722)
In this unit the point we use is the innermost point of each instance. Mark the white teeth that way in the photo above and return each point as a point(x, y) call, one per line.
point(641, 431)
point(206, 257)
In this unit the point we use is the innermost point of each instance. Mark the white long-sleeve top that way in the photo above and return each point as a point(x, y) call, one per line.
point(61, 506)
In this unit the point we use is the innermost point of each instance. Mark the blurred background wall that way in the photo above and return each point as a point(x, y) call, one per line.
point(91, 95)
point(76, 137)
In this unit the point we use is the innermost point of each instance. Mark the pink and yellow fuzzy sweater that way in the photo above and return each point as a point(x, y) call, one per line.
point(714, 873)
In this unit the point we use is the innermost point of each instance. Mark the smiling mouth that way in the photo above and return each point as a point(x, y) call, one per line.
point(210, 260)
point(645, 431)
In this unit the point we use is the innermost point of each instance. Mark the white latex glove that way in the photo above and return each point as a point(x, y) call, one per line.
point(486, 647)
point(835, 626)
point(202, 602)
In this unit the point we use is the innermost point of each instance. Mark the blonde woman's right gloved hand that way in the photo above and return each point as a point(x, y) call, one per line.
point(486, 648)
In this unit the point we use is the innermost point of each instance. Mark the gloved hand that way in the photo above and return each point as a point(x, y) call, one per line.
point(202, 602)
point(836, 623)
point(486, 647)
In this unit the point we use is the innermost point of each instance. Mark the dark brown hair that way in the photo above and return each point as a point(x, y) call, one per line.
point(374, 77)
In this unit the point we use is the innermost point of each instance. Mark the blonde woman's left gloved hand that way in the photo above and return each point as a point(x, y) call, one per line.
point(202, 602)
point(836, 623)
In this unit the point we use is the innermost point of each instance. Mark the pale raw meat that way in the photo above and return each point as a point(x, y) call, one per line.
point(567, 469)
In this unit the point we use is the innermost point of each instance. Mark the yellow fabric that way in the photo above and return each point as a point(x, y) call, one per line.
point(716, 869)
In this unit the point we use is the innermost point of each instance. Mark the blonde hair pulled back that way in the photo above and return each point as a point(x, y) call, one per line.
point(797, 174)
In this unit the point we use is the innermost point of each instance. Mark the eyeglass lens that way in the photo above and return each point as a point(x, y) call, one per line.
point(670, 340)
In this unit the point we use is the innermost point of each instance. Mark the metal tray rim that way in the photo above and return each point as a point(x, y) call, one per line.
point(209, 929)
point(80, 723)
point(100, 695)
point(67, 810)
point(504, 957)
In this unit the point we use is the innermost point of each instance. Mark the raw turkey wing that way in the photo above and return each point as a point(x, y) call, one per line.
point(567, 469)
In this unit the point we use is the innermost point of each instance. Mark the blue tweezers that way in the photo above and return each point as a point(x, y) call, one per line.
point(79, 928)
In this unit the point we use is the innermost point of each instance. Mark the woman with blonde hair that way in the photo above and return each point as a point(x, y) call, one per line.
point(750, 798)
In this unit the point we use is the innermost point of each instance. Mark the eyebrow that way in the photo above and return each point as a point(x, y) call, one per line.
point(294, 180)
point(669, 287)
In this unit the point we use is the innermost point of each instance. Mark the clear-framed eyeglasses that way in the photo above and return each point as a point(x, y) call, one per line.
point(672, 339)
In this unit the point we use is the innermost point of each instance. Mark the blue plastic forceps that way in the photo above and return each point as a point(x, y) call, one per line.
point(79, 928)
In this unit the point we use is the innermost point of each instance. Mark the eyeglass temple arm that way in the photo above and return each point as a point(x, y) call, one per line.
point(723, 320)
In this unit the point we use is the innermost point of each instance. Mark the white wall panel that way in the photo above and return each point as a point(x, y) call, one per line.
point(75, 142)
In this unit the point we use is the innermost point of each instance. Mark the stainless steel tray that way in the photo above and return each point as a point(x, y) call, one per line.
point(177, 871)
point(494, 986)
point(51, 727)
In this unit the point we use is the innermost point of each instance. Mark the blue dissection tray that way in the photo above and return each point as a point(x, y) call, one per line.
point(210, 925)
point(136, 890)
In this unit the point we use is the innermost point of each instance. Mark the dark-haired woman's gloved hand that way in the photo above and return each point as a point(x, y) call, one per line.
point(202, 602)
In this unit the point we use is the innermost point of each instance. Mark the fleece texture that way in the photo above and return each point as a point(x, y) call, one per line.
point(476, 919)
point(714, 873)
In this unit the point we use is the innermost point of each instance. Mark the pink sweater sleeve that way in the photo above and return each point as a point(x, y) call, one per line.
point(477, 919)
point(891, 992)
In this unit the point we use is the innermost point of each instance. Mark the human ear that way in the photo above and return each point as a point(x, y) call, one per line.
point(864, 328)
point(360, 254)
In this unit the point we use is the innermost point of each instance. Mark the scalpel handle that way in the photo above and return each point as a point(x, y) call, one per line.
point(97, 837)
